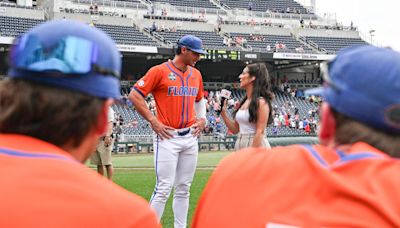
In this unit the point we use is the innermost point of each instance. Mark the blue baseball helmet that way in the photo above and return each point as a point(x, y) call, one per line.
point(363, 82)
point(68, 54)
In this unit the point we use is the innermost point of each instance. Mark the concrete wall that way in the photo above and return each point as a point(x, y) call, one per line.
point(195, 26)
point(86, 18)
point(22, 13)
point(328, 33)
point(256, 30)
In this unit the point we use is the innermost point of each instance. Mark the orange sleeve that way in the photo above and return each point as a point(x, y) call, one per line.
point(200, 94)
point(148, 82)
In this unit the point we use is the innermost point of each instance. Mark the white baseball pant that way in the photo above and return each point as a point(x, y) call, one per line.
point(175, 164)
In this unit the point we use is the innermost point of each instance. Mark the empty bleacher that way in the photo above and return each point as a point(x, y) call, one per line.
point(333, 44)
point(211, 40)
point(280, 6)
point(127, 35)
point(189, 3)
point(15, 26)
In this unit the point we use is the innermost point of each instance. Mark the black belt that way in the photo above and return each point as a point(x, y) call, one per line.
point(183, 133)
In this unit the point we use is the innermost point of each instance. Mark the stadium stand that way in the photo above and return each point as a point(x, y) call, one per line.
point(127, 35)
point(268, 23)
point(278, 6)
point(189, 3)
point(333, 44)
point(135, 125)
point(211, 40)
point(289, 42)
point(15, 26)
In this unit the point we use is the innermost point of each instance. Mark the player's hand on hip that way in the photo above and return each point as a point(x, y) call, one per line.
point(198, 127)
point(161, 130)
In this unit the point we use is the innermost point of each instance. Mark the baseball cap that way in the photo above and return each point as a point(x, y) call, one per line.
point(68, 54)
point(193, 43)
point(363, 82)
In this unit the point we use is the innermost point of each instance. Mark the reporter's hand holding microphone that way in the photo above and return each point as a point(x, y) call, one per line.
point(225, 95)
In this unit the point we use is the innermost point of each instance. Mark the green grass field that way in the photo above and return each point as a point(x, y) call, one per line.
point(136, 174)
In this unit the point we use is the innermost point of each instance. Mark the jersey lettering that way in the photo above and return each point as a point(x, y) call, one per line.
point(182, 91)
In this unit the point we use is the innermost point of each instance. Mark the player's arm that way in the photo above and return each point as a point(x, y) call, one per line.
point(108, 135)
point(231, 124)
point(261, 124)
point(140, 90)
point(141, 106)
point(109, 130)
point(200, 108)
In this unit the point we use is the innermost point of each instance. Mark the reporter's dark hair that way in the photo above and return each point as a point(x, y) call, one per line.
point(349, 131)
point(261, 89)
point(55, 115)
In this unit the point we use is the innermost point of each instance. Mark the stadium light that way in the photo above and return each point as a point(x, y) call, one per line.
point(372, 34)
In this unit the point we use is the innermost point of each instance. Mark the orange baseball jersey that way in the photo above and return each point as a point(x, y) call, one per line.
point(303, 186)
point(174, 92)
point(43, 186)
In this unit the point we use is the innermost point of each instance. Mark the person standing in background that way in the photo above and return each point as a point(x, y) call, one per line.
point(102, 156)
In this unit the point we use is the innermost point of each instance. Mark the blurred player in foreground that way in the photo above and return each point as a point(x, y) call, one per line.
point(63, 78)
point(177, 88)
point(350, 180)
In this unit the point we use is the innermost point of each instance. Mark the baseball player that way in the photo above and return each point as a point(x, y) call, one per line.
point(350, 180)
point(102, 156)
point(177, 88)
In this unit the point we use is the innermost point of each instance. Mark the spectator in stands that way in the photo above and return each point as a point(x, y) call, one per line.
point(91, 9)
point(250, 5)
point(152, 10)
point(225, 41)
point(254, 112)
point(278, 45)
point(349, 180)
point(52, 114)
point(164, 13)
point(230, 41)
point(300, 49)
point(163, 27)
point(268, 48)
point(218, 127)
point(153, 27)
point(302, 23)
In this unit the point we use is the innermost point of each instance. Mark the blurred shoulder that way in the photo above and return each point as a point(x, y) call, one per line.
point(257, 158)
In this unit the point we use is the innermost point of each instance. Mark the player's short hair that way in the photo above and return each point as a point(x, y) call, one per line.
point(349, 131)
point(59, 116)
point(178, 50)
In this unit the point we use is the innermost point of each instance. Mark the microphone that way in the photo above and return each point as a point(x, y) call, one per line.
point(224, 94)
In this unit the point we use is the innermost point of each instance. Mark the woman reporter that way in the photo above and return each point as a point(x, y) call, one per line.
point(254, 112)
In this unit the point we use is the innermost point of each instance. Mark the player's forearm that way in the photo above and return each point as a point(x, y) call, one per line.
point(109, 129)
point(230, 124)
point(141, 106)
